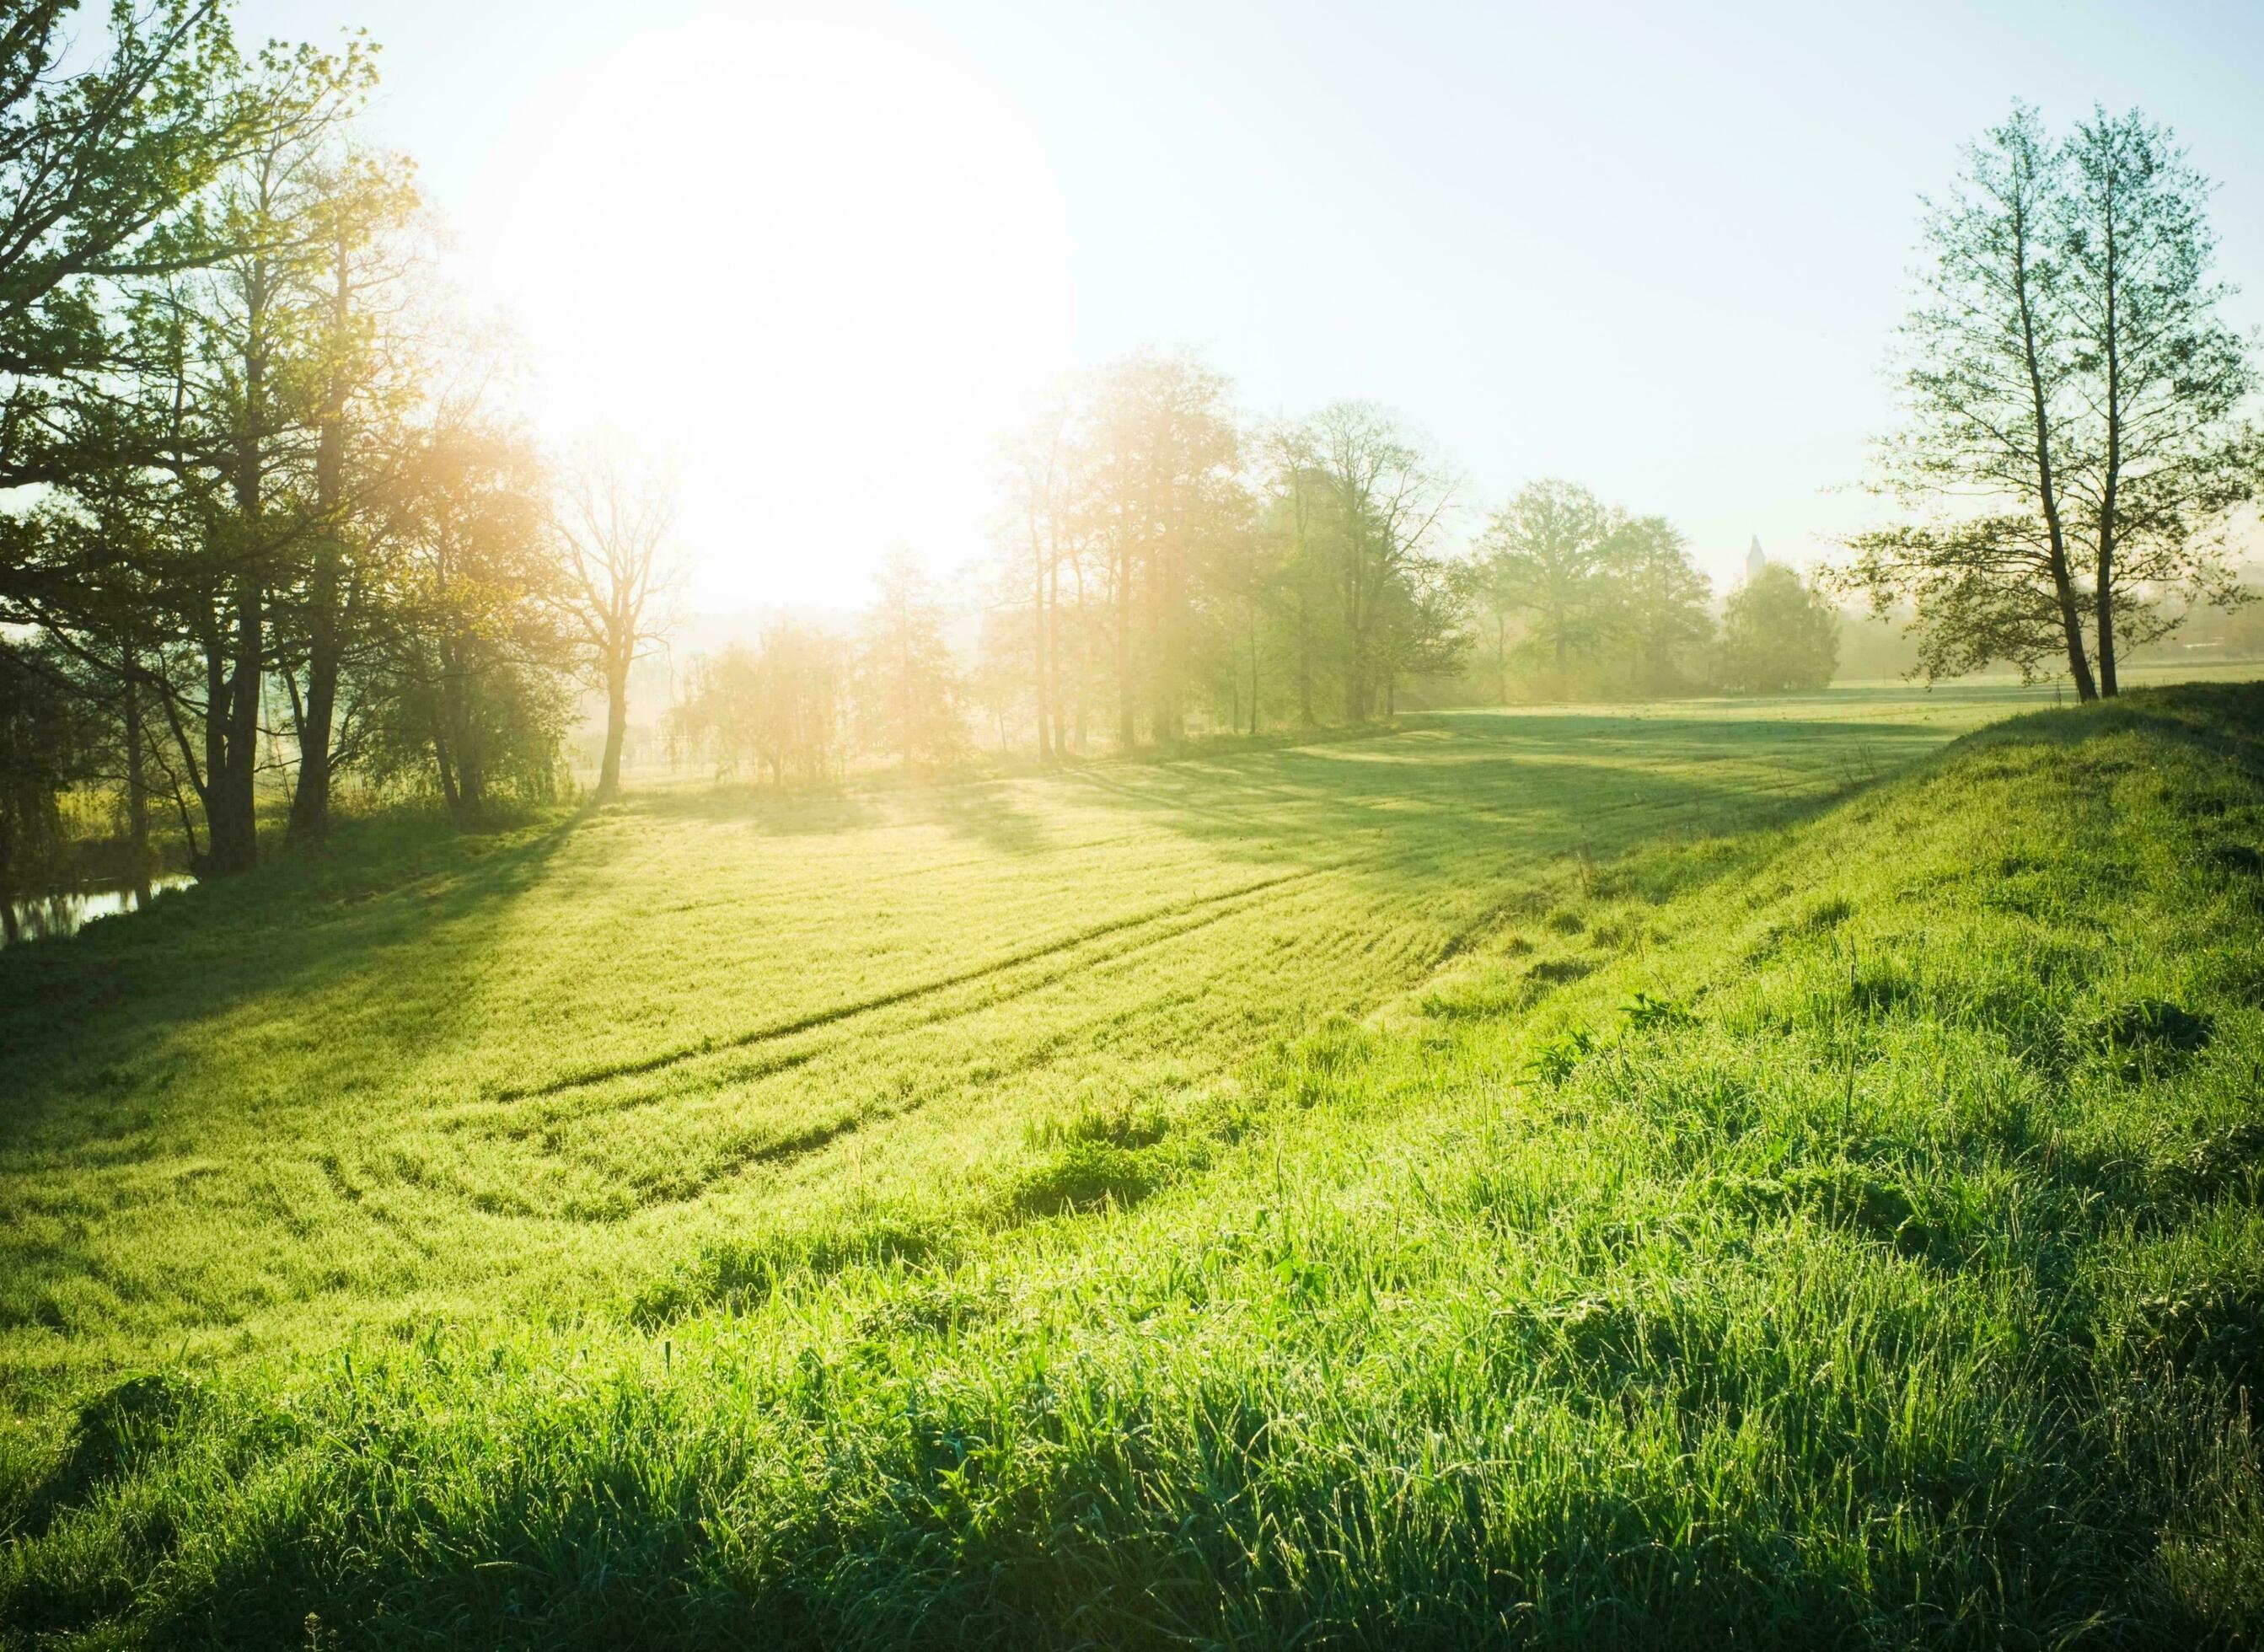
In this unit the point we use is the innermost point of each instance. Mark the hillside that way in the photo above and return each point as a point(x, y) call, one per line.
point(1551, 1180)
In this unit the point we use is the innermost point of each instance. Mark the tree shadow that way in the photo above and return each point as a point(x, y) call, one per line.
point(770, 811)
point(360, 918)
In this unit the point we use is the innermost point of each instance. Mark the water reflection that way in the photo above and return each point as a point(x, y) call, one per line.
point(51, 915)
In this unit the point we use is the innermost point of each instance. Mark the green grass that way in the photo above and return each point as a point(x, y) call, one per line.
point(1545, 1177)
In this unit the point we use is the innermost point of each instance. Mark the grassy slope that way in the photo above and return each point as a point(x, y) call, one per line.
point(1884, 1265)
point(427, 1076)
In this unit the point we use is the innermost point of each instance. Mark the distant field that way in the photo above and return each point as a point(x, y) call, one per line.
point(1540, 1175)
point(558, 1058)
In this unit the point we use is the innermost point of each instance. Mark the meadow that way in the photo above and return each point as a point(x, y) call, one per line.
point(1782, 1171)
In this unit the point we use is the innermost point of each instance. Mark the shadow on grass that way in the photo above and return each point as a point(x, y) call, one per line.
point(368, 903)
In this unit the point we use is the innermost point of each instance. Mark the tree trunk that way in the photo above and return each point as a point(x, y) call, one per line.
point(1038, 649)
point(1053, 688)
point(2047, 488)
point(137, 782)
point(1305, 718)
point(617, 718)
point(310, 802)
point(1253, 668)
point(231, 817)
point(1126, 735)
point(2104, 597)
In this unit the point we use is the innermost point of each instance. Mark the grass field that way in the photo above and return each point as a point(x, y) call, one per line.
point(1525, 1175)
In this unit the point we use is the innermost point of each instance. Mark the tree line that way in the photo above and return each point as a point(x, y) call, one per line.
point(271, 521)
point(270, 518)
point(1163, 563)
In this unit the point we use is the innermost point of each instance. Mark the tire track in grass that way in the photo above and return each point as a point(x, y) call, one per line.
point(888, 1000)
point(804, 1137)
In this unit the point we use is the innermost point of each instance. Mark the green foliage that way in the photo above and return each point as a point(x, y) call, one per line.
point(1779, 636)
point(45, 737)
point(1569, 597)
point(2076, 436)
point(1009, 1276)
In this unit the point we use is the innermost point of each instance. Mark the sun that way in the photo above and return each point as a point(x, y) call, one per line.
point(818, 255)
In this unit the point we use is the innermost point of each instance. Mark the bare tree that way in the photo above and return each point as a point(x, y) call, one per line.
point(611, 525)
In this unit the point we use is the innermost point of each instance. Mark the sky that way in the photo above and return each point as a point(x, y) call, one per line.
point(821, 255)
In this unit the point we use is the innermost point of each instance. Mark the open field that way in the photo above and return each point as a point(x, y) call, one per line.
point(565, 1055)
point(1530, 1175)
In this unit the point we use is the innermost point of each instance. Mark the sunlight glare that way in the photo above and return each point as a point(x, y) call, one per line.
point(879, 281)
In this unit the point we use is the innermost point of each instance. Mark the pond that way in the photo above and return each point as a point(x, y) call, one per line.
point(46, 916)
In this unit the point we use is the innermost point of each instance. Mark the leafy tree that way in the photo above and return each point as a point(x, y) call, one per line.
point(1298, 518)
point(1040, 537)
point(1989, 388)
point(2162, 456)
point(96, 165)
point(44, 739)
point(1544, 553)
point(471, 682)
point(1656, 601)
point(360, 370)
point(1384, 501)
point(1779, 636)
point(2068, 385)
point(909, 688)
point(1162, 493)
point(780, 708)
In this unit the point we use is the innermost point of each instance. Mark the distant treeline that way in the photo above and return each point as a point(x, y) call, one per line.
point(1166, 567)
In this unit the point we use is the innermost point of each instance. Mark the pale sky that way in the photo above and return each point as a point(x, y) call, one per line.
point(823, 252)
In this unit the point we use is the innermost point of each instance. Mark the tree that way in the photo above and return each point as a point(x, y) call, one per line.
point(909, 687)
point(1161, 492)
point(470, 676)
point(1988, 391)
point(356, 372)
point(1422, 627)
point(611, 527)
point(43, 742)
point(1779, 636)
point(1547, 550)
point(1040, 537)
point(2067, 384)
point(1655, 598)
point(96, 165)
point(2163, 458)
point(1297, 515)
point(1386, 500)
point(780, 708)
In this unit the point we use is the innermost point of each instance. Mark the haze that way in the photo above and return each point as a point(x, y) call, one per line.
point(825, 253)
